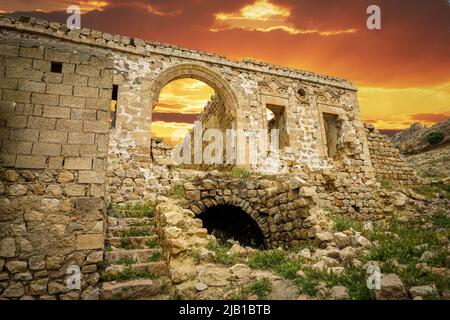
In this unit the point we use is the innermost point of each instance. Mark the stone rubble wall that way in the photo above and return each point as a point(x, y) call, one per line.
point(54, 130)
point(280, 206)
point(387, 160)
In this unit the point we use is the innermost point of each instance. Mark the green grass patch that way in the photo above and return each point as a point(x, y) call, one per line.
point(156, 256)
point(221, 254)
point(195, 254)
point(385, 184)
point(435, 137)
point(430, 190)
point(403, 240)
point(144, 223)
point(342, 223)
point(129, 274)
point(270, 259)
point(288, 269)
point(126, 261)
point(178, 190)
point(125, 243)
point(354, 279)
point(151, 243)
point(136, 232)
point(240, 173)
point(135, 211)
point(261, 288)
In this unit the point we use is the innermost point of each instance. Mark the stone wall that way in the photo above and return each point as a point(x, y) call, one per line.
point(54, 132)
point(386, 159)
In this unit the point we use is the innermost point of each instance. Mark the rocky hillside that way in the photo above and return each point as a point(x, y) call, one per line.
point(418, 139)
point(433, 164)
point(426, 150)
point(408, 253)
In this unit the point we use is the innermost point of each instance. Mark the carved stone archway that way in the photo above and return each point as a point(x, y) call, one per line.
point(198, 72)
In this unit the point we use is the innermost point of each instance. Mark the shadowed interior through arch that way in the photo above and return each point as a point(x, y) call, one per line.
point(228, 222)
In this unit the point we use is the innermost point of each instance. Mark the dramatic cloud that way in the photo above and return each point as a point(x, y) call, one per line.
point(400, 70)
point(264, 16)
point(430, 117)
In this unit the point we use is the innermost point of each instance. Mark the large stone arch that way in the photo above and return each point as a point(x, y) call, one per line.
point(199, 72)
point(206, 203)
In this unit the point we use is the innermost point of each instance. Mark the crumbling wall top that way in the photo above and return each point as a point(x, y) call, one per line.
point(145, 47)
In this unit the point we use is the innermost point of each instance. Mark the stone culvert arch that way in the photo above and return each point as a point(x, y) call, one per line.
point(201, 206)
point(199, 72)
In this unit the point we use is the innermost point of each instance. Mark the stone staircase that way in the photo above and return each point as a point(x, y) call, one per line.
point(134, 267)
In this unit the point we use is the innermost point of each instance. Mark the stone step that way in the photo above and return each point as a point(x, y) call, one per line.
point(117, 213)
point(128, 222)
point(138, 289)
point(139, 255)
point(134, 242)
point(131, 231)
point(158, 268)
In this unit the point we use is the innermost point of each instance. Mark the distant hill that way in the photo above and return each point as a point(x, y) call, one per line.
point(426, 150)
point(417, 138)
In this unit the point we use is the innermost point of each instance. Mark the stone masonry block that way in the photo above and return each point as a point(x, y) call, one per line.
point(14, 72)
point(98, 104)
point(41, 123)
point(58, 56)
point(8, 83)
point(57, 112)
point(69, 125)
point(81, 138)
point(35, 52)
point(16, 147)
point(51, 136)
point(96, 177)
point(72, 150)
point(87, 92)
point(45, 99)
point(89, 241)
point(75, 79)
point(9, 51)
point(30, 162)
point(83, 114)
point(16, 96)
point(99, 82)
point(73, 102)
point(60, 89)
point(78, 163)
point(87, 70)
point(96, 126)
point(16, 121)
point(19, 62)
point(33, 86)
point(24, 135)
point(47, 149)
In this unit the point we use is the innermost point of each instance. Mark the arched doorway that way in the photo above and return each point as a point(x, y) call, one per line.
point(219, 114)
point(199, 72)
point(229, 222)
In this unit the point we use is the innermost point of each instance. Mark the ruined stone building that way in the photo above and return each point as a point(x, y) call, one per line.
point(64, 163)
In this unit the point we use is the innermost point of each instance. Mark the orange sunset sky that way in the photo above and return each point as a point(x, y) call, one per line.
point(402, 71)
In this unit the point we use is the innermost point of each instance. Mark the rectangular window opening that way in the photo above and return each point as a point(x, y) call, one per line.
point(113, 113)
point(276, 119)
point(332, 126)
point(56, 67)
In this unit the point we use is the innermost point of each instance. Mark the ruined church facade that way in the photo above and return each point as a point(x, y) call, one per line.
point(64, 162)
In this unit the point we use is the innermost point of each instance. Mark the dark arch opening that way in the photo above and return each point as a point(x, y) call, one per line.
point(228, 222)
